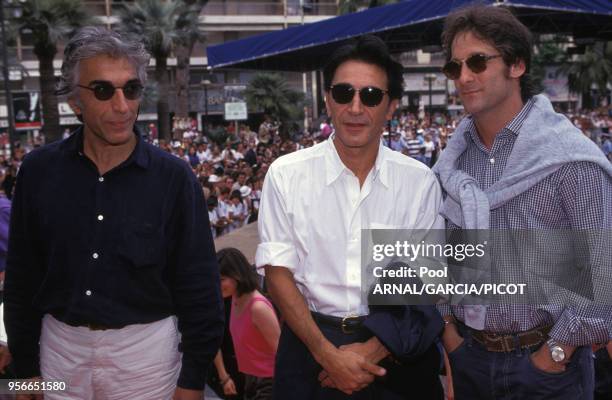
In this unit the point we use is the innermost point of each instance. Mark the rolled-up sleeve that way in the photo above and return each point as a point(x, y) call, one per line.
point(276, 245)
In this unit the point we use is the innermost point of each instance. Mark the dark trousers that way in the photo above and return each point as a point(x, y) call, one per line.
point(603, 375)
point(296, 373)
point(479, 374)
point(256, 388)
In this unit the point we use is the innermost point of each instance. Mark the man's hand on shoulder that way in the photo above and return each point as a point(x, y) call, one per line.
point(187, 394)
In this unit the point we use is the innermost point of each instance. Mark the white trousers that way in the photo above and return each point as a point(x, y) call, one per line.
point(137, 362)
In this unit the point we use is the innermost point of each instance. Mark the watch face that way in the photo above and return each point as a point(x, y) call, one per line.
point(557, 354)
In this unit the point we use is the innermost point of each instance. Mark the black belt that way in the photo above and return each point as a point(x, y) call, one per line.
point(97, 327)
point(348, 325)
point(91, 326)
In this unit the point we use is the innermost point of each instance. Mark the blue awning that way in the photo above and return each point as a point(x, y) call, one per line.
point(404, 26)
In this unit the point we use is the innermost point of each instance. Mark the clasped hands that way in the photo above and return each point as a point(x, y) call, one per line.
point(352, 367)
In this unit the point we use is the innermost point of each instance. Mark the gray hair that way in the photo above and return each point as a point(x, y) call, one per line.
point(92, 41)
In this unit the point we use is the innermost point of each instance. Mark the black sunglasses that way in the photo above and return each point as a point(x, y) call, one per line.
point(370, 96)
point(477, 63)
point(103, 91)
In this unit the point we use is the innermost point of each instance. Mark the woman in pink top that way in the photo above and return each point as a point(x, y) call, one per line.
point(253, 324)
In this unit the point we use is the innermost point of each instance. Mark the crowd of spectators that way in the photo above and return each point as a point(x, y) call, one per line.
point(232, 171)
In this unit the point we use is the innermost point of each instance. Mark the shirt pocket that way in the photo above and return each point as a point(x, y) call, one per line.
point(142, 246)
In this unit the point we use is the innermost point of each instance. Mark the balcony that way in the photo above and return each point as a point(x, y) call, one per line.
point(290, 8)
point(234, 7)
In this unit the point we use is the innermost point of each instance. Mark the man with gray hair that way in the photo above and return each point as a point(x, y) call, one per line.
point(111, 254)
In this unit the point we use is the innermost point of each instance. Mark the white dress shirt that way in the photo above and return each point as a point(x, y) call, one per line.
point(203, 156)
point(312, 212)
point(213, 218)
point(238, 210)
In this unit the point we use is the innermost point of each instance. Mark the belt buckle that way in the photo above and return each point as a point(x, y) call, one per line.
point(347, 330)
point(492, 340)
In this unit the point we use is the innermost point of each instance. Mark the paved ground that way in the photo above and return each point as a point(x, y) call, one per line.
point(244, 239)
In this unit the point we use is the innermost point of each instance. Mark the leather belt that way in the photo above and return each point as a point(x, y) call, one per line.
point(96, 327)
point(507, 343)
point(347, 325)
point(88, 325)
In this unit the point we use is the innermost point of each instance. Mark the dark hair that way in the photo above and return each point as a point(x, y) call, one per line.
point(233, 264)
point(212, 201)
point(372, 50)
point(236, 195)
point(499, 27)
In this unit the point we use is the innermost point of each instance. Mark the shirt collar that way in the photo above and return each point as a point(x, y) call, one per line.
point(140, 155)
point(335, 166)
point(513, 127)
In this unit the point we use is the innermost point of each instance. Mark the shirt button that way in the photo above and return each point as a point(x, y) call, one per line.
point(101, 179)
point(88, 292)
point(100, 217)
point(95, 256)
point(492, 160)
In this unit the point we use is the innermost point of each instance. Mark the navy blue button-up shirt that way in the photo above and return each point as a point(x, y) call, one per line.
point(131, 246)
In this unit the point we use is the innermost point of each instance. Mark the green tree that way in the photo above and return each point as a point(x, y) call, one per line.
point(188, 34)
point(167, 27)
point(50, 22)
point(547, 54)
point(349, 6)
point(155, 22)
point(592, 70)
point(270, 94)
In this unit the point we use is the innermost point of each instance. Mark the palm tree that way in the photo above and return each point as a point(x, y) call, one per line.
point(270, 94)
point(155, 22)
point(349, 6)
point(547, 54)
point(50, 22)
point(188, 34)
point(593, 69)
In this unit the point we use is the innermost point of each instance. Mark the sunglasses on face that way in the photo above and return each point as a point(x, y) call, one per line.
point(103, 91)
point(370, 96)
point(477, 63)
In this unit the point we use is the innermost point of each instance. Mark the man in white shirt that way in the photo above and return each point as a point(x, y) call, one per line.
point(203, 153)
point(314, 204)
point(223, 210)
point(237, 211)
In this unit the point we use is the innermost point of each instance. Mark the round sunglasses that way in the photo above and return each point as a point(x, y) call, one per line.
point(105, 90)
point(370, 96)
point(477, 63)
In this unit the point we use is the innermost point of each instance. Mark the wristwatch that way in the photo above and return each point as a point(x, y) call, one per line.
point(556, 352)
